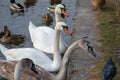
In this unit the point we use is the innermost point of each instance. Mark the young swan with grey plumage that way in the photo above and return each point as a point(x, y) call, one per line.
point(38, 73)
point(24, 65)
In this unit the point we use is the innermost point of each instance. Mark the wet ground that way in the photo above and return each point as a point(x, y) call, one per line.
point(85, 25)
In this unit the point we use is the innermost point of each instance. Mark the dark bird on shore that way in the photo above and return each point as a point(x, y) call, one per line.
point(109, 70)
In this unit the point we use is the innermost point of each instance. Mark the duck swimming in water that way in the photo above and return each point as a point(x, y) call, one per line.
point(47, 19)
point(16, 7)
point(7, 37)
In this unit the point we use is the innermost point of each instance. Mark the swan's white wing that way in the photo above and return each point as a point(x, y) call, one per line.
point(43, 39)
point(37, 56)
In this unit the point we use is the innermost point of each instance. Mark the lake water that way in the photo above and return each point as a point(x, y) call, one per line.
point(18, 24)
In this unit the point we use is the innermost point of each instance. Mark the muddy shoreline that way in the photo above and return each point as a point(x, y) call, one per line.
point(85, 25)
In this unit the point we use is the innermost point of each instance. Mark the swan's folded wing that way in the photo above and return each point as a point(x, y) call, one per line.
point(7, 69)
point(36, 55)
point(43, 39)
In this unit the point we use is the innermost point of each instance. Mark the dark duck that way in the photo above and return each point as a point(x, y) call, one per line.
point(7, 37)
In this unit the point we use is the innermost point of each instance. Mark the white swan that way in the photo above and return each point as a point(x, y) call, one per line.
point(43, 37)
point(52, 8)
point(38, 73)
point(36, 55)
point(60, 11)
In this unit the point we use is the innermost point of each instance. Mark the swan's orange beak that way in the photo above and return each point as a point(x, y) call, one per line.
point(64, 12)
point(67, 31)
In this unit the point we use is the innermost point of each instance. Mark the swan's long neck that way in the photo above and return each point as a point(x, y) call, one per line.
point(57, 56)
point(3, 49)
point(62, 42)
point(62, 72)
point(17, 71)
point(58, 17)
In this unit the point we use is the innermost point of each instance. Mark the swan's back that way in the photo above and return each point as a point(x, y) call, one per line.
point(37, 56)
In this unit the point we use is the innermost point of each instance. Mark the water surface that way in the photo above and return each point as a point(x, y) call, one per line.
point(18, 24)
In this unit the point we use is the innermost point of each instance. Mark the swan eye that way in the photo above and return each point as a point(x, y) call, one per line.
point(64, 12)
point(65, 28)
point(63, 9)
point(33, 68)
